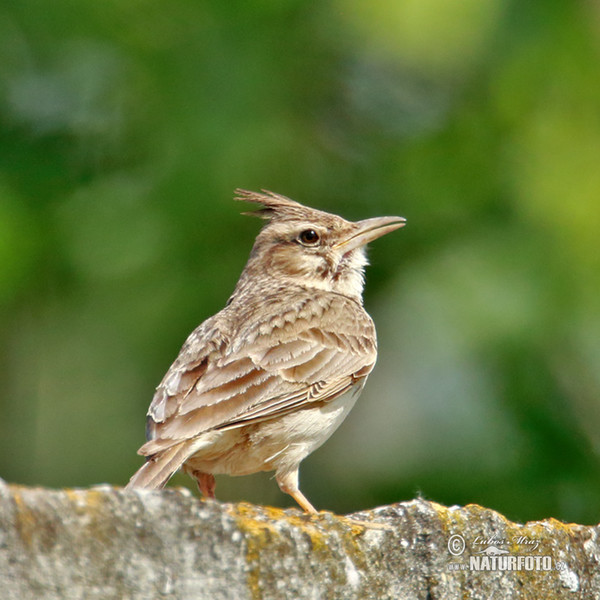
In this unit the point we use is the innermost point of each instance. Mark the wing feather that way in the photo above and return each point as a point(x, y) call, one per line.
point(284, 361)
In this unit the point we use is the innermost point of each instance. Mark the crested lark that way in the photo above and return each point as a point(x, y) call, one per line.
point(267, 380)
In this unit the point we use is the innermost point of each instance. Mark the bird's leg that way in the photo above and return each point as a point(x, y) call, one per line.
point(288, 484)
point(206, 483)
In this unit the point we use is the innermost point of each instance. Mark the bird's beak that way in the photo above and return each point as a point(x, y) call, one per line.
point(369, 230)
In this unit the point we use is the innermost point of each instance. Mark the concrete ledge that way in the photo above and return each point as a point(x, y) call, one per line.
point(105, 543)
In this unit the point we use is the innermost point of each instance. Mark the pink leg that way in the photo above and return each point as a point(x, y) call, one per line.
point(288, 484)
point(206, 483)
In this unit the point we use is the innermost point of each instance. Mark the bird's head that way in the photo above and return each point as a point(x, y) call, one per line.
point(302, 245)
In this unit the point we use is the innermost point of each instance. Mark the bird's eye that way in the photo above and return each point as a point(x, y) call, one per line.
point(309, 237)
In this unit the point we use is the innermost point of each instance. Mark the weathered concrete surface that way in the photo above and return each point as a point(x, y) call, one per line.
point(106, 543)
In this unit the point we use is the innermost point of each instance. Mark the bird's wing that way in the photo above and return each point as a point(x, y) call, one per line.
point(312, 351)
point(201, 350)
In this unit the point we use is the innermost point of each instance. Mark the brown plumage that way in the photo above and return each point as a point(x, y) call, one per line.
point(267, 380)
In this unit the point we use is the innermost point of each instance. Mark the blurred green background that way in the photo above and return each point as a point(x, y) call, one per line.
point(125, 127)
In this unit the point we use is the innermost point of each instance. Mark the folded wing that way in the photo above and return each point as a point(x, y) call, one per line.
point(283, 362)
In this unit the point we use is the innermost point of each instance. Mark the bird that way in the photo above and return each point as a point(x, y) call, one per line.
point(268, 379)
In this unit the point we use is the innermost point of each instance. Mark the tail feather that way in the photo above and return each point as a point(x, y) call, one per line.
point(157, 471)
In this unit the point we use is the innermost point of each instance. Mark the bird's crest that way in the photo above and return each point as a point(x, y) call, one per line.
point(273, 206)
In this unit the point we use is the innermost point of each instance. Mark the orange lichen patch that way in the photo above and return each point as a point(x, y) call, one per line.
point(87, 502)
point(34, 521)
point(475, 510)
point(266, 526)
point(255, 521)
point(93, 508)
point(449, 519)
point(260, 531)
point(26, 520)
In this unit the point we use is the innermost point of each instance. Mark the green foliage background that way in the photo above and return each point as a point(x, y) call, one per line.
point(126, 125)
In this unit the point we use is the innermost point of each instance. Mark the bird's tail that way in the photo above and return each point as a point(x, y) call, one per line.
point(156, 472)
